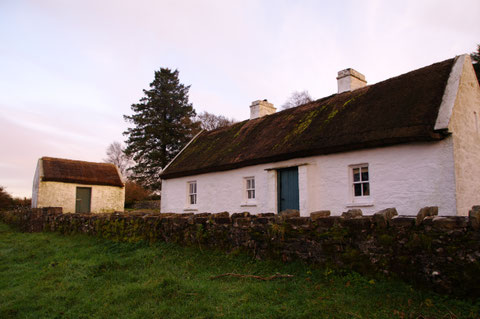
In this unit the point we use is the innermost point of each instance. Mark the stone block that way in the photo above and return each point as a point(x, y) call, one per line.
point(179, 221)
point(327, 222)
point(352, 213)
point(449, 222)
point(266, 214)
point(223, 220)
point(402, 221)
point(243, 222)
point(358, 223)
point(319, 214)
point(264, 220)
point(240, 215)
point(428, 222)
point(221, 215)
point(299, 221)
point(200, 220)
point(382, 217)
point(424, 212)
point(54, 210)
point(149, 218)
point(474, 217)
point(288, 213)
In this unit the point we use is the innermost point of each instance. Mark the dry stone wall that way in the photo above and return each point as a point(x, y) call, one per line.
point(428, 250)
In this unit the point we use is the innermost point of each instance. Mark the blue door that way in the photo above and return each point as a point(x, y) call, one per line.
point(287, 183)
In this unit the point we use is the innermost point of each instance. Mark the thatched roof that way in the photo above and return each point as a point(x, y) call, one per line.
point(80, 172)
point(398, 110)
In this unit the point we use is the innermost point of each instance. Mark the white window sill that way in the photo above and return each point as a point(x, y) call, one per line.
point(364, 204)
point(190, 209)
point(248, 205)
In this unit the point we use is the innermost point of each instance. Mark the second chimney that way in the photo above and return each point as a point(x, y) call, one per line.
point(261, 108)
point(349, 80)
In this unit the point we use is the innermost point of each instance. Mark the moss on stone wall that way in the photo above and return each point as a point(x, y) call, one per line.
point(443, 254)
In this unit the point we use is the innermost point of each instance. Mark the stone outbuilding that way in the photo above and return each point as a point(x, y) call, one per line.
point(78, 186)
point(407, 142)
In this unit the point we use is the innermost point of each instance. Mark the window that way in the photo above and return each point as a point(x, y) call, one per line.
point(192, 193)
point(250, 187)
point(361, 181)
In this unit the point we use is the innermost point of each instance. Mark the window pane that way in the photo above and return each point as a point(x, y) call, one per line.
point(358, 189)
point(356, 174)
point(248, 183)
point(253, 183)
point(253, 194)
point(364, 174)
point(190, 188)
point(195, 188)
point(366, 189)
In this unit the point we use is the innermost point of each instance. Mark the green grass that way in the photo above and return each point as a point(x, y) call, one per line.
point(46, 275)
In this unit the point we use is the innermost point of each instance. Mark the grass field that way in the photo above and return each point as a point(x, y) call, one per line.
point(45, 275)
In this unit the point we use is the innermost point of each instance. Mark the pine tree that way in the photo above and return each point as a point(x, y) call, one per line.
point(162, 126)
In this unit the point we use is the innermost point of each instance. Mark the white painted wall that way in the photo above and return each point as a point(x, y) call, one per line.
point(105, 199)
point(465, 127)
point(36, 183)
point(407, 176)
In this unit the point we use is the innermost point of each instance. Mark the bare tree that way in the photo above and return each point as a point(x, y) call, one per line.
point(209, 121)
point(476, 61)
point(116, 155)
point(297, 99)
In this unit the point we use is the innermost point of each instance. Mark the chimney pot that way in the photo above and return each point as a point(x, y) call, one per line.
point(261, 108)
point(349, 80)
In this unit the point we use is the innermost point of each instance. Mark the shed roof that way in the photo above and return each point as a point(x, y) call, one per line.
point(398, 110)
point(80, 172)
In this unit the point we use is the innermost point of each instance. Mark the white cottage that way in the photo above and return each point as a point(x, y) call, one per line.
point(407, 142)
point(78, 186)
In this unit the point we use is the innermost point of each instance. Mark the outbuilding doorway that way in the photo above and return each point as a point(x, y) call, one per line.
point(287, 188)
point(83, 200)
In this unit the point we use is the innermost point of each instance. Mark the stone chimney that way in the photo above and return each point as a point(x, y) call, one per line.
point(349, 80)
point(261, 108)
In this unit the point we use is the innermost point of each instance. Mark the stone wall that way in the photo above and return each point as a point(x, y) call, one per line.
point(442, 253)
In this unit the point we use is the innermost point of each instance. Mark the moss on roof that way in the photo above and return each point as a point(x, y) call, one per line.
point(398, 110)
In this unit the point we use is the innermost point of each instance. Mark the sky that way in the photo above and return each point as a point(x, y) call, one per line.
point(70, 70)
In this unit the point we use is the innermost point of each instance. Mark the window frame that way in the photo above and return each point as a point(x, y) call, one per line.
point(249, 202)
point(192, 193)
point(250, 189)
point(362, 199)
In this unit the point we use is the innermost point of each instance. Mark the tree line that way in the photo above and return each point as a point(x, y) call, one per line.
point(8, 202)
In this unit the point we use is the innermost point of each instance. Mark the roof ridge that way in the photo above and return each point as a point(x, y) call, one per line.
point(72, 160)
